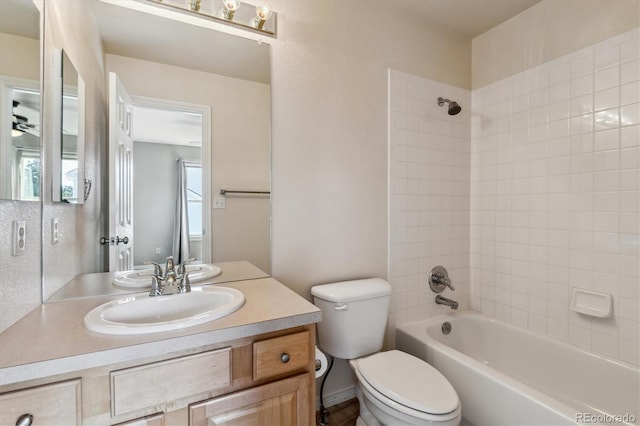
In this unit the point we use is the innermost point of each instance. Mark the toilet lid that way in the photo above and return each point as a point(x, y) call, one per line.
point(409, 381)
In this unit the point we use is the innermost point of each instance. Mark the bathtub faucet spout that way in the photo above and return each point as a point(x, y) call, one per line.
point(448, 302)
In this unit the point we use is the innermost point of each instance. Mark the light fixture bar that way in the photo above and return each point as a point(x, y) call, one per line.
point(260, 19)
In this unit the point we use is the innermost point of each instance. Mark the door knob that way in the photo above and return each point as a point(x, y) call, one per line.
point(114, 241)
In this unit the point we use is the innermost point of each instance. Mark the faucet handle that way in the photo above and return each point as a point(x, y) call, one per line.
point(446, 281)
point(439, 279)
point(185, 285)
point(156, 287)
point(182, 268)
point(157, 269)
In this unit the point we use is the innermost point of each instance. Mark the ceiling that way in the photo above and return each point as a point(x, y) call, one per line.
point(470, 17)
point(157, 125)
point(20, 17)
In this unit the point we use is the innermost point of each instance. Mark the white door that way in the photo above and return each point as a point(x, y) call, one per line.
point(120, 176)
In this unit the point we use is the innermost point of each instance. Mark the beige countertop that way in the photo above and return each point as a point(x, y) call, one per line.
point(52, 339)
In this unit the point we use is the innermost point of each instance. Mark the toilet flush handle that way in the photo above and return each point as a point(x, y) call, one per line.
point(341, 307)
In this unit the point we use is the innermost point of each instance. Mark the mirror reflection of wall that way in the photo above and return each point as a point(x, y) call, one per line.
point(19, 101)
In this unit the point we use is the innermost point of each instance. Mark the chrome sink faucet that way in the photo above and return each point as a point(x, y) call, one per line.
point(173, 280)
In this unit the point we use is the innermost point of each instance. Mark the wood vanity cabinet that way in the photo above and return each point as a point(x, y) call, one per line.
point(286, 401)
point(268, 379)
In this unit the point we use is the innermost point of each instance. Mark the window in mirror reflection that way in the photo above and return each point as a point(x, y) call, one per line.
point(20, 142)
point(194, 200)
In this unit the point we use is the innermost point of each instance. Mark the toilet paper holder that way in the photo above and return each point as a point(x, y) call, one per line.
point(321, 363)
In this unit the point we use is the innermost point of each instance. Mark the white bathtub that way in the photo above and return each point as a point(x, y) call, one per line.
point(505, 375)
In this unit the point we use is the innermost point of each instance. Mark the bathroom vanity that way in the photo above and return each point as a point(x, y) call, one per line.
point(254, 366)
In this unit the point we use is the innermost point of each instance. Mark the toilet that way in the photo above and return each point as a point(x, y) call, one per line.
point(394, 388)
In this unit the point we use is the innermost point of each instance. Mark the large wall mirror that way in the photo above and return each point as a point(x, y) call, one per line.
point(19, 101)
point(198, 105)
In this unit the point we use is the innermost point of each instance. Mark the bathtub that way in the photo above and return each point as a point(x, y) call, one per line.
point(505, 375)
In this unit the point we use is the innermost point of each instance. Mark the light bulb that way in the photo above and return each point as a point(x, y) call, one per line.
point(230, 7)
point(262, 14)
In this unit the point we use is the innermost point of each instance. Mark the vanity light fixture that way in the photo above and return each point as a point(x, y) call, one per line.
point(194, 5)
point(263, 13)
point(232, 12)
point(230, 7)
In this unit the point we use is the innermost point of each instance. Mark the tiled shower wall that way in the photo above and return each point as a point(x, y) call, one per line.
point(429, 163)
point(555, 196)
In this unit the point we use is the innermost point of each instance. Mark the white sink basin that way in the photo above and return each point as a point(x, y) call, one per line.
point(142, 278)
point(140, 313)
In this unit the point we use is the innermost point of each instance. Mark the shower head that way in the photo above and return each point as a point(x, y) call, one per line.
point(454, 108)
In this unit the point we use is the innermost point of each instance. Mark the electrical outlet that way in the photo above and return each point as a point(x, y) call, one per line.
point(218, 202)
point(19, 237)
point(55, 231)
point(157, 250)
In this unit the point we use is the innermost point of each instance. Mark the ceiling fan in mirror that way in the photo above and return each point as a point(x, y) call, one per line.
point(20, 124)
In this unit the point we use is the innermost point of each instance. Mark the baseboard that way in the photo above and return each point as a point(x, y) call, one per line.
point(336, 397)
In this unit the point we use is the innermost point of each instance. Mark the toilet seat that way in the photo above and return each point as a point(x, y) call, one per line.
point(408, 385)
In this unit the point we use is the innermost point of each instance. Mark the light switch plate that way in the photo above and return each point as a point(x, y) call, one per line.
point(219, 202)
point(19, 237)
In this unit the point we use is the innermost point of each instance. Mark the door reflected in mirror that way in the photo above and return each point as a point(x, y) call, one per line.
point(19, 101)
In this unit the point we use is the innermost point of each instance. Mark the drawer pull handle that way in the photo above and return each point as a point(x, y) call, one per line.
point(285, 358)
point(25, 420)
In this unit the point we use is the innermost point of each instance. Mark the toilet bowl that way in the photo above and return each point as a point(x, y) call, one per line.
point(394, 388)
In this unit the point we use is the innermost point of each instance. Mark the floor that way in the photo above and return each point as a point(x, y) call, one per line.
point(343, 414)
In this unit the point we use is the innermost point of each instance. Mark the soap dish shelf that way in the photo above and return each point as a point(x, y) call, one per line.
point(592, 303)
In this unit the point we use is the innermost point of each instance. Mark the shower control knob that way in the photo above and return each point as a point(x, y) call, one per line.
point(285, 358)
point(439, 279)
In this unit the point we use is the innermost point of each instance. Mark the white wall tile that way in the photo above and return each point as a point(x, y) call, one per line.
point(567, 213)
point(430, 188)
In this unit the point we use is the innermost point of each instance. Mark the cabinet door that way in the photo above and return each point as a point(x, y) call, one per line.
point(285, 402)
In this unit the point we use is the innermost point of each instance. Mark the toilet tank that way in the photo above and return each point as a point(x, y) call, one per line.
point(354, 316)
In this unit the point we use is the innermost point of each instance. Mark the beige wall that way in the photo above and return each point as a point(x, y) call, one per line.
point(240, 134)
point(547, 31)
point(329, 89)
point(23, 56)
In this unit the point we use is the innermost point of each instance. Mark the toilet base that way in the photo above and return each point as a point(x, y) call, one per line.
point(373, 415)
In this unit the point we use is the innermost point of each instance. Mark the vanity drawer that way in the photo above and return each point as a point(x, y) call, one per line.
point(280, 355)
point(54, 404)
point(158, 383)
